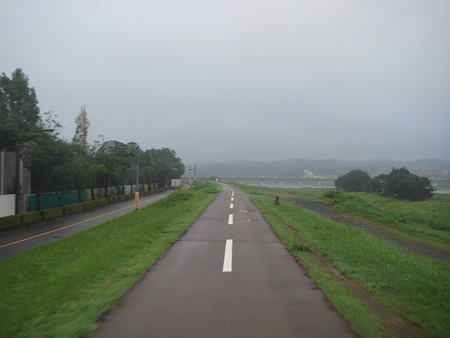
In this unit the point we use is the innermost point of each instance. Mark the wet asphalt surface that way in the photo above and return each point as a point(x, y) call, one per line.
point(228, 276)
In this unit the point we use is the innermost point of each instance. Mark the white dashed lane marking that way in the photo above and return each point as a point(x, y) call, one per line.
point(228, 257)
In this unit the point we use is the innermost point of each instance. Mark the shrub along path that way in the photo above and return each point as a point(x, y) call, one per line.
point(374, 228)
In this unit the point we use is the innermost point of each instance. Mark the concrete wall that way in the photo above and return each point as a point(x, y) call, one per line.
point(7, 205)
point(8, 174)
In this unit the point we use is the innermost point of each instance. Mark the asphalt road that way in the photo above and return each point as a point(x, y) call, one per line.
point(228, 276)
point(17, 240)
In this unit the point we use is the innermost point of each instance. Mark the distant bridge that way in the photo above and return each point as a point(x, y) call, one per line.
point(441, 186)
point(282, 182)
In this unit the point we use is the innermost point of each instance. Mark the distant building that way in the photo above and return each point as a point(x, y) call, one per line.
point(308, 174)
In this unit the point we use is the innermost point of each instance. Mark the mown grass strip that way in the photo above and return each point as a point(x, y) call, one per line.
point(414, 287)
point(61, 289)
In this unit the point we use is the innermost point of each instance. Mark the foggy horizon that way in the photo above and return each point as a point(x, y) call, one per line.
point(242, 80)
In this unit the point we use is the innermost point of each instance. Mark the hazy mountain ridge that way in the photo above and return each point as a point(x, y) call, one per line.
point(432, 168)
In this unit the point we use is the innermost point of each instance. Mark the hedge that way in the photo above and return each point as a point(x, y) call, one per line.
point(72, 208)
point(90, 204)
point(31, 217)
point(102, 202)
point(10, 221)
point(52, 213)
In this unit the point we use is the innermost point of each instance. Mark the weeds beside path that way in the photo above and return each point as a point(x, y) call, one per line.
point(361, 266)
point(374, 228)
point(414, 288)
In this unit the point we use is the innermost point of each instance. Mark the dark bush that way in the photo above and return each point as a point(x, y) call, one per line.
point(399, 183)
point(415, 188)
point(355, 180)
point(402, 184)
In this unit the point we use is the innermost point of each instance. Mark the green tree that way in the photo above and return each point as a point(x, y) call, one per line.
point(19, 111)
point(82, 129)
point(415, 188)
point(82, 171)
point(401, 183)
point(389, 182)
point(112, 165)
point(355, 180)
point(162, 165)
point(52, 164)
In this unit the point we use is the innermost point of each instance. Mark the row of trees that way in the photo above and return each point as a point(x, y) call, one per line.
point(399, 183)
point(60, 165)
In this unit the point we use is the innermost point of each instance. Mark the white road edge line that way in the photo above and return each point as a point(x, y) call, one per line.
point(230, 219)
point(228, 258)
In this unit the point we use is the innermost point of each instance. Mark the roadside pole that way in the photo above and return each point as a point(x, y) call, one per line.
point(136, 199)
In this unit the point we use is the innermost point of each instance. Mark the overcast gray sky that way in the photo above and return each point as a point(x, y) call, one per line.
point(220, 80)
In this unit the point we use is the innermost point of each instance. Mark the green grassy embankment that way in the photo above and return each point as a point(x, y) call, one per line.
point(425, 221)
point(61, 289)
point(412, 287)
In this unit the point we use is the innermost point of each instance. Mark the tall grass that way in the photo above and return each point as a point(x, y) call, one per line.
point(307, 193)
point(426, 221)
point(414, 287)
point(61, 289)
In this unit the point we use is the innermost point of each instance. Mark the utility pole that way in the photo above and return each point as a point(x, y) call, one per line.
point(2, 172)
point(18, 197)
point(23, 151)
point(137, 172)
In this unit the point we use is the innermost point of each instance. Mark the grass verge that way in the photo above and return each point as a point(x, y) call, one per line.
point(425, 221)
point(412, 287)
point(61, 289)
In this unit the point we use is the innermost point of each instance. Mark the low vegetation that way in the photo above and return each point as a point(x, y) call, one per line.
point(409, 286)
point(413, 290)
point(61, 289)
point(425, 221)
point(399, 183)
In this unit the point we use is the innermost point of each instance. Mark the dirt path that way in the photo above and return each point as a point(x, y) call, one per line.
point(374, 228)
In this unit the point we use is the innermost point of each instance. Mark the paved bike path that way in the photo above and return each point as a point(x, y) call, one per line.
point(228, 276)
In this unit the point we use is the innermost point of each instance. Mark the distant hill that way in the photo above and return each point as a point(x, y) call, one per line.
point(438, 169)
